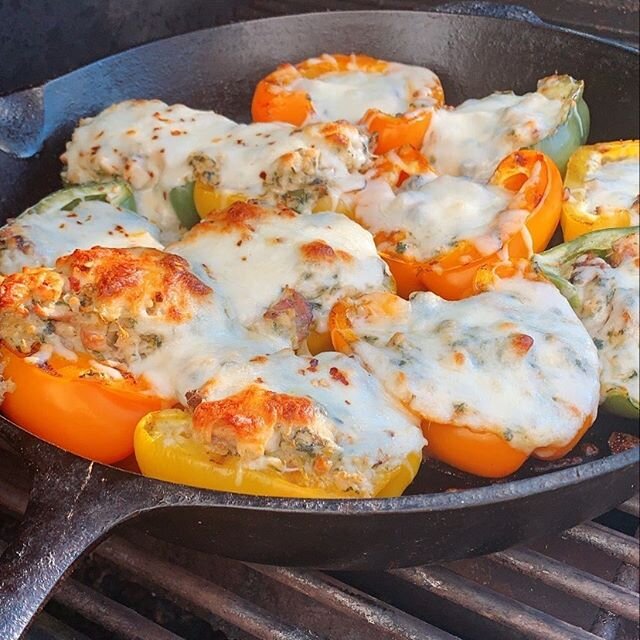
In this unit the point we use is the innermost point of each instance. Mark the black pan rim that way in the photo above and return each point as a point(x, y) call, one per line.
point(489, 494)
point(541, 25)
point(502, 491)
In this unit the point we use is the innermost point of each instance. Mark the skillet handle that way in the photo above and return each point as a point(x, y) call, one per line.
point(490, 10)
point(72, 504)
point(519, 13)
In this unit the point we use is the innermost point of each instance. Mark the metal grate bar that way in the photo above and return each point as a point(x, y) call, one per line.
point(607, 624)
point(580, 584)
point(111, 615)
point(46, 627)
point(357, 604)
point(193, 591)
point(631, 506)
point(97, 608)
point(613, 543)
point(529, 622)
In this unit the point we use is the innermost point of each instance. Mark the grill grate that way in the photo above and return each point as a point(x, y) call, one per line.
point(581, 585)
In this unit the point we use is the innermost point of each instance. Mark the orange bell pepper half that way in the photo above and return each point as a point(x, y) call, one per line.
point(91, 417)
point(481, 453)
point(536, 185)
point(274, 100)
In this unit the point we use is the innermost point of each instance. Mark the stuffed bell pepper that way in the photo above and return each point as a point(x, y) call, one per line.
point(284, 425)
point(598, 274)
point(601, 188)
point(496, 378)
point(471, 139)
point(282, 272)
point(394, 101)
point(182, 163)
point(437, 231)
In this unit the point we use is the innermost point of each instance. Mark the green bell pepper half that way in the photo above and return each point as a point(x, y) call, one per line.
point(573, 131)
point(556, 264)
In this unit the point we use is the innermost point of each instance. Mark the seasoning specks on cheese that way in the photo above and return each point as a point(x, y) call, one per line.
point(514, 361)
point(296, 415)
point(36, 239)
point(156, 147)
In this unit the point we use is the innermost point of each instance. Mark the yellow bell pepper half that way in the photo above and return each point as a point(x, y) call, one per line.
point(166, 450)
point(577, 218)
point(208, 200)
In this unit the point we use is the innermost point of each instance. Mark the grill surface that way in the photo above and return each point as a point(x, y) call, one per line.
point(581, 585)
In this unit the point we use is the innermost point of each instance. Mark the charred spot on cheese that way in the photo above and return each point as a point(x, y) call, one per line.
point(513, 358)
point(241, 424)
point(321, 421)
point(607, 288)
point(274, 266)
point(318, 251)
point(92, 299)
point(267, 160)
point(140, 278)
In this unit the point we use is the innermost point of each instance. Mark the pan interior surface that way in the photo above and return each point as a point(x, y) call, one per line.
point(218, 69)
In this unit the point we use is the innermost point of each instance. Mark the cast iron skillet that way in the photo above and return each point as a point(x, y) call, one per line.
point(74, 501)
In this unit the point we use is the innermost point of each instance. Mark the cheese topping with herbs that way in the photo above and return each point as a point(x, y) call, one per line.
point(514, 361)
point(36, 239)
point(347, 95)
point(609, 186)
point(609, 309)
point(282, 272)
point(323, 420)
point(471, 139)
point(429, 215)
point(156, 147)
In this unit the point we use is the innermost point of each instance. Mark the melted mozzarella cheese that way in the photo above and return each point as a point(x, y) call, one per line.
point(148, 144)
point(135, 309)
point(473, 138)
point(250, 150)
point(347, 95)
point(612, 185)
point(193, 351)
point(368, 431)
point(323, 257)
point(515, 361)
point(155, 147)
point(435, 213)
point(37, 239)
point(609, 309)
